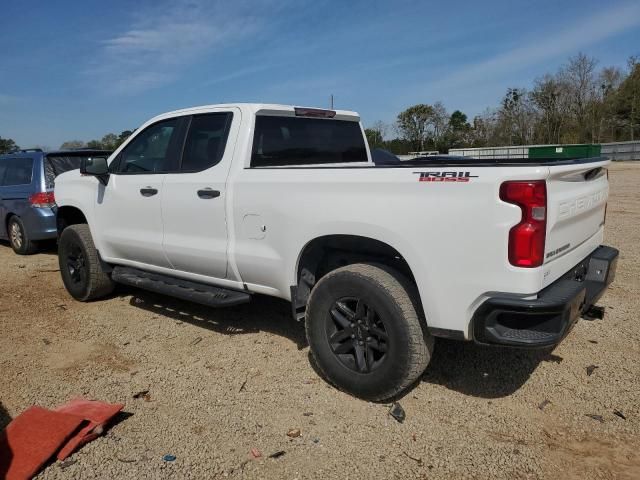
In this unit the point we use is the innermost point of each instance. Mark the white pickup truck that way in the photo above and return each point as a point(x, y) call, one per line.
point(218, 203)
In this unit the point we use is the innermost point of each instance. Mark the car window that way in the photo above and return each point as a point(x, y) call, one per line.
point(206, 141)
point(17, 171)
point(283, 141)
point(151, 150)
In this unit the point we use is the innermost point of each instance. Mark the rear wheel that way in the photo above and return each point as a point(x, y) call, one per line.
point(80, 267)
point(19, 238)
point(365, 331)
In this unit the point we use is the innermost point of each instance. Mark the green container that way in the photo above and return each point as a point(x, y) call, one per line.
point(585, 150)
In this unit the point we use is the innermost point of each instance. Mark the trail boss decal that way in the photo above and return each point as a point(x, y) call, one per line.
point(460, 177)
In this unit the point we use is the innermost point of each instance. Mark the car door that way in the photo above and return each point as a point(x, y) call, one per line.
point(128, 209)
point(16, 178)
point(193, 201)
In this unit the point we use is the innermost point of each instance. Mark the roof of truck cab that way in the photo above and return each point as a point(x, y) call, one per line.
point(263, 108)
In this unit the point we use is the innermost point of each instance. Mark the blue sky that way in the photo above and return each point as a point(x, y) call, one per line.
point(77, 70)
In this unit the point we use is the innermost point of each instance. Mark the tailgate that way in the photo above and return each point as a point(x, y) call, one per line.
point(576, 201)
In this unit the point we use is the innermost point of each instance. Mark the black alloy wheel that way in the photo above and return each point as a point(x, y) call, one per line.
point(357, 335)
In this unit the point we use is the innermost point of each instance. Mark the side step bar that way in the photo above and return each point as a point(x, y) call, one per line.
point(182, 289)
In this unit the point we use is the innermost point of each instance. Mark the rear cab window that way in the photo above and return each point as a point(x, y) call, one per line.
point(16, 171)
point(281, 141)
point(206, 141)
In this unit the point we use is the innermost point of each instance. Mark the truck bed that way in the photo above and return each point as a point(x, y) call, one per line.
point(447, 160)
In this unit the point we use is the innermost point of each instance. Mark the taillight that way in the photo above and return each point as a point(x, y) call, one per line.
point(526, 239)
point(42, 200)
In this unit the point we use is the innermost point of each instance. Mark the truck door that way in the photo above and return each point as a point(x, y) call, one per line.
point(194, 200)
point(128, 209)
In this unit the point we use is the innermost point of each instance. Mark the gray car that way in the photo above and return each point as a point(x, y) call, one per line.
point(27, 203)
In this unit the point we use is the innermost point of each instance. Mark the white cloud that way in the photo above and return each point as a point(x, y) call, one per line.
point(547, 46)
point(240, 73)
point(165, 38)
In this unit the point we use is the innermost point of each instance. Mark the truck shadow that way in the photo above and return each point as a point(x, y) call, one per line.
point(262, 314)
point(485, 372)
point(474, 370)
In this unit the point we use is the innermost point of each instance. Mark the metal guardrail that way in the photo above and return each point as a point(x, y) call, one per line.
point(616, 151)
point(620, 151)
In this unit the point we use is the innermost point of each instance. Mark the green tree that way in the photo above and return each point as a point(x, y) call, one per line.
point(414, 125)
point(110, 141)
point(627, 102)
point(124, 135)
point(374, 137)
point(71, 144)
point(458, 131)
point(398, 146)
point(7, 145)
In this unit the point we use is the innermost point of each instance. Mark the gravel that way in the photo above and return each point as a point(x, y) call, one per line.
point(222, 386)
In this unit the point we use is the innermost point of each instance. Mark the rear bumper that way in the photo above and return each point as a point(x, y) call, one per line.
point(40, 223)
point(546, 320)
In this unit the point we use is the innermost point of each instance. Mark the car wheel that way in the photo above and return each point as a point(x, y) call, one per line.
point(19, 238)
point(80, 266)
point(366, 332)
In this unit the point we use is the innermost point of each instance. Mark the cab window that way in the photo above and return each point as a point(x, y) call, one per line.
point(154, 150)
point(206, 141)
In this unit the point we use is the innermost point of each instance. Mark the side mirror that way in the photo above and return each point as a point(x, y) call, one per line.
point(96, 167)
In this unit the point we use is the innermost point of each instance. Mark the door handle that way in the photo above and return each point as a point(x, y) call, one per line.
point(148, 191)
point(208, 193)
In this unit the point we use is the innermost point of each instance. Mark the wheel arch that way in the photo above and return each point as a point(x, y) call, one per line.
point(69, 215)
point(326, 253)
point(5, 221)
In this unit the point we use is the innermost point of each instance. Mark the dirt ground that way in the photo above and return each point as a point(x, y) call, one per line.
point(221, 382)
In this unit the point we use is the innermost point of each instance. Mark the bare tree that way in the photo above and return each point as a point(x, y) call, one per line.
point(549, 97)
point(382, 128)
point(483, 130)
point(579, 75)
point(439, 124)
point(516, 117)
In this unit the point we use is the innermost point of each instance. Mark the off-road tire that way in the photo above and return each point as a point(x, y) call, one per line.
point(93, 282)
point(394, 298)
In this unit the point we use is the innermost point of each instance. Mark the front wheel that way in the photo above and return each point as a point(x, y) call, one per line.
point(365, 331)
point(80, 267)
